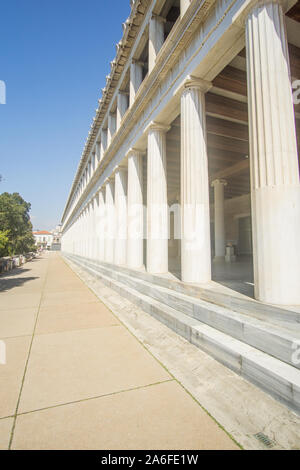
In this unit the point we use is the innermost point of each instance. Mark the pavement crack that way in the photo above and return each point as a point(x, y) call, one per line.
point(27, 361)
point(139, 387)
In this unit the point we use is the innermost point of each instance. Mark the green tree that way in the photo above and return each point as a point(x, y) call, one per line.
point(15, 221)
point(3, 242)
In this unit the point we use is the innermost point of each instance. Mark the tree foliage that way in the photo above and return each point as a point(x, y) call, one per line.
point(15, 224)
point(3, 242)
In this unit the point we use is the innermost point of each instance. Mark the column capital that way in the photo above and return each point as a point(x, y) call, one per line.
point(261, 3)
point(159, 18)
point(137, 62)
point(196, 82)
point(157, 126)
point(253, 5)
point(123, 92)
point(219, 181)
point(134, 151)
point(109, 179)
point(184, 4)
point(102, 190)
point(113, 173)
point(119, 168)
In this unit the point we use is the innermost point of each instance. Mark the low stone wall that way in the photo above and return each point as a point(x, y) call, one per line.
point(8, 263)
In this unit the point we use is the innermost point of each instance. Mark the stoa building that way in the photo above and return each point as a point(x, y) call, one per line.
point(187, 197)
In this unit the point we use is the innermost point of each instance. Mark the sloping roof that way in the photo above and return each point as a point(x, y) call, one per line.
point(42, 232)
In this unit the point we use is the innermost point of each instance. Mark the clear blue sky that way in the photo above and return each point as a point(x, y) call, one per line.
point(54, 57)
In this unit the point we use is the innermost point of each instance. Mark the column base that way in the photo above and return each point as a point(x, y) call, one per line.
point(157, 270)
point(218, 259)
point(276, 260)
point(230, 258)
point(192, 275)
point(140, 267)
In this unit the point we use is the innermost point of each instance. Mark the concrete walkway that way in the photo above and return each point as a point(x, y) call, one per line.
point(76, 378)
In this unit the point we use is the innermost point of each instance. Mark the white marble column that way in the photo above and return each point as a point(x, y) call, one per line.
point(184, 4)
point(136, 78)
point(157, 201)
point(78, 235)
point(120, 254)
point(111, 127)
point(156, 38)
point(219, 219)
point(110, 221)
point(81, 235)
point(122, 106)
point(275, 190)
point(97, 153)
point(195, 220)
point(103, 142)
point(95, 215)
point(90, 229)
point(96, 223)
point(101, 225)
point(84, 234)
point(93, 160)
point(135, 221)
point(87, 231)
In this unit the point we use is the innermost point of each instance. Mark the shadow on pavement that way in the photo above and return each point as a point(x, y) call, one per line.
point(10, 280)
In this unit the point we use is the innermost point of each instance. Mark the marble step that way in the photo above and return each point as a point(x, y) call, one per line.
point(260, 334)
point(274, 376)
point(239, 303)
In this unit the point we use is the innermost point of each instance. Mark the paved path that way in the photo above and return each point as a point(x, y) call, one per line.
point(76, 378)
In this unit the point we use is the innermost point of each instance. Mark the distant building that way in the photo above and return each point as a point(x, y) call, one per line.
point(48, 240)
point(56, 242)
point(43, 239)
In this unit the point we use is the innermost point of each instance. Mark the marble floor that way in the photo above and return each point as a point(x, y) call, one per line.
point(237, 275)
